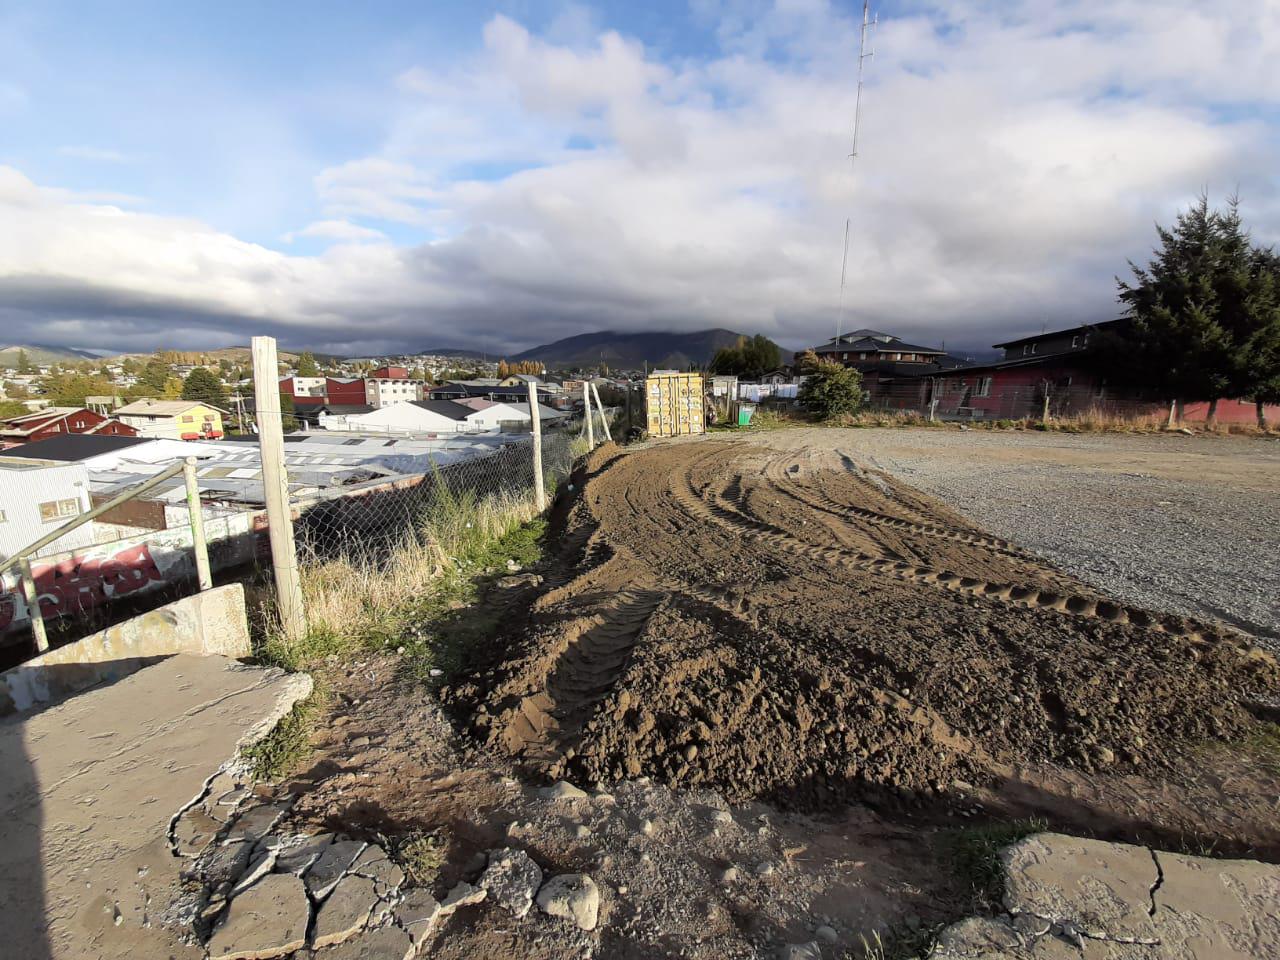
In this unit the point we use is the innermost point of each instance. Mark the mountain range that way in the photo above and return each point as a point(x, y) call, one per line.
point(40, 353)
point(632, 351)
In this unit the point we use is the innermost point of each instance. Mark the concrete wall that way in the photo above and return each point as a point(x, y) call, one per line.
point(207, 623)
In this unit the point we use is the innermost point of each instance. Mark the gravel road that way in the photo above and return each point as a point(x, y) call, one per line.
point(1185, 524)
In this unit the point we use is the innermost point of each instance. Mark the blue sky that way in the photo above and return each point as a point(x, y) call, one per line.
point(380, 176)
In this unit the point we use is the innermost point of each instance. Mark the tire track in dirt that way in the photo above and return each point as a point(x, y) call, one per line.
point(722, 512)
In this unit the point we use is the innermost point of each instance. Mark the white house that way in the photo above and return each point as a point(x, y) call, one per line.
point(414, 416)
point(383, 391)
point(488, 415)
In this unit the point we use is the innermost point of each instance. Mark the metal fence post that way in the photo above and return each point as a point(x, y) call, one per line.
point(604, 421)
point(194, 507)
point(33, 606)
point(275, 487)
point(535, 422)
point(586, 407)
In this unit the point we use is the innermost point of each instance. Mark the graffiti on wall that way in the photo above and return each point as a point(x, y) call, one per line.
point(80, 583)
point(76, 582)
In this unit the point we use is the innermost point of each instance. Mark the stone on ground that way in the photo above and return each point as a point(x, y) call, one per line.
point(376, 865)
point(563, 790)
point(384, 943)
point(511, 879)
point(255, 822)
point(462, 895)
point(345, 911)
point(417, 914)
point(298, 853)
point(573, 896)
point(267, 920)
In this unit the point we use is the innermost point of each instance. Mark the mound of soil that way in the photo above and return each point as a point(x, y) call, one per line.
point(793, 627)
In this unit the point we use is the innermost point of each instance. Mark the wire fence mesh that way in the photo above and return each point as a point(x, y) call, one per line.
point(370, 519)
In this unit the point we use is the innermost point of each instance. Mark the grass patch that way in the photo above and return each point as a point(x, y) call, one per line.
point(420, 855)
point(284, 749)
point(900, 943)
point(378, 600)
point(973, 853)
point(1264, 746)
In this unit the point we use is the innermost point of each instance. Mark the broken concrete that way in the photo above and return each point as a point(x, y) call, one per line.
point(511, 880)
point(1068, 897)
point(299, 852)
point(267, 920)
point(334, 861)
point(417, 914)
point(90, 789)
point(384, 943)
point(345, 912)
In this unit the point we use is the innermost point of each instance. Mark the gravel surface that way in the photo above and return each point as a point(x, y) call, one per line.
point(1185, 524)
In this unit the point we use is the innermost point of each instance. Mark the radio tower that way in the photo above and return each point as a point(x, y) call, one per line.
point(868, 22)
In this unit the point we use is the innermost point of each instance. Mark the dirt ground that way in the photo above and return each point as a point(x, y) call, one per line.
point(840, 665)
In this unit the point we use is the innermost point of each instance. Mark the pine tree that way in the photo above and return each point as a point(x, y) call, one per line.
point(201, 385)
point(307, 366)
point(24, 362)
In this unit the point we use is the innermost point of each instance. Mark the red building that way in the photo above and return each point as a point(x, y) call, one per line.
point(344, 391)
point(1052, 366)
point(390, 373)
point(54, 421)
point(891, 368)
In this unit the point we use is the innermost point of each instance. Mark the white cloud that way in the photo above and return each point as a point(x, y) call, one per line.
point(1012, 159)
point(97, 154)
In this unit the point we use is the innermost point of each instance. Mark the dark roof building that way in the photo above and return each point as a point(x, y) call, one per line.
point(872, 346)
point(445, 408)
point(70, 447)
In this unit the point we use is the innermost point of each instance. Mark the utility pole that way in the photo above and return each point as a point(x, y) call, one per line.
point(275, 488)
point(863, 55)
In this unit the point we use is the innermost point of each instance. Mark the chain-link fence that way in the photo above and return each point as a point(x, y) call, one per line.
point(366, 520)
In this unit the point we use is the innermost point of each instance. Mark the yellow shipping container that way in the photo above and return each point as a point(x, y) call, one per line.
point(673, 403)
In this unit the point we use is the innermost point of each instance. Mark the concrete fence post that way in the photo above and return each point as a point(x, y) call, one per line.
point(586, 408)
point(33, 605)
point(199, 544)
point(535, 425)
point(275, 488)
point(604, 421)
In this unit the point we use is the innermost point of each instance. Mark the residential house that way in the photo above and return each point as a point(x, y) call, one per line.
point(412, 416)
point(509, 417)
point(384, 391)
point(890, 367)
point(1056, 366)
point(36, 499)
point(390, 373)
point(51, 421)
point(345, 391)
point(174, 419)
point(296, 386)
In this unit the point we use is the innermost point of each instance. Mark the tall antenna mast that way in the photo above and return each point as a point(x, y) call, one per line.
point(867, 23)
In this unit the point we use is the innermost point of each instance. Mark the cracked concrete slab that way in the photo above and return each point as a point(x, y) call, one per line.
point(91, 787)
point(1099, 898)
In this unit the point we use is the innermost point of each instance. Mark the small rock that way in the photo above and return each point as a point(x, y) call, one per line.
point(827, 934)
point(562, 790)
point(800, 951)
point(764, 868)
point(358, 743)
point(728, 874)
point(582, 832)
point(646, 827)
point(267, 920)
point(511, 880)
point(573, 896)
point(1105, 755)
point(221, 864)
point(462, 895)
point(722, 816)
point(344, 912)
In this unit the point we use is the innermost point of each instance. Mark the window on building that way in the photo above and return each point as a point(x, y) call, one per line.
point(1075, 342)
point(188, 418)
point(53, 510)
point(984, 387)
point(844, 356)
point(897, 356)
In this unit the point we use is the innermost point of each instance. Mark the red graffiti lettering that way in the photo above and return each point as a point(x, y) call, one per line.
point(78, 584)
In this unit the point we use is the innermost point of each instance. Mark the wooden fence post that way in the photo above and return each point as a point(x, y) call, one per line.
point(275, 488)
point(604, 421)
point(586, 407)
point(195, 508)
point(535, 422)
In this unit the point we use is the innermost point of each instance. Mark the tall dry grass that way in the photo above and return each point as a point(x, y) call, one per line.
point(368, 599)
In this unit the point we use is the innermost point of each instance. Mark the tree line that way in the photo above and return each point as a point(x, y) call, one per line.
point(1203, 316)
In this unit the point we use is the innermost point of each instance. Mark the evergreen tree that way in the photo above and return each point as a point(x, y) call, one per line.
point(154, 375)
point(831, 390)
point(749, 357)
point(307, 366)
point(202, 385)
point(24, 363)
